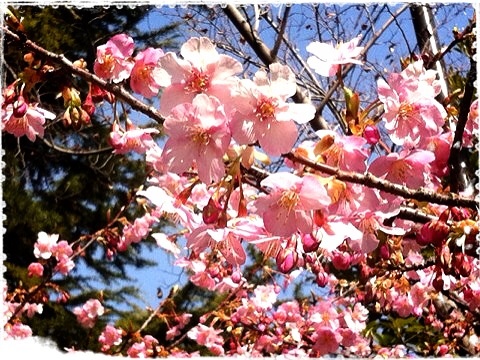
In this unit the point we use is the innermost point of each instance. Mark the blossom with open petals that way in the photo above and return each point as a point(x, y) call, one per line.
point(28, 122)
point(327, 59)
point(198, 134)
point(147, 76)
point(200, 70)
point(411, 112)
point(113, 60)
point(289, 205)
point(263, 113)
point(131, 139)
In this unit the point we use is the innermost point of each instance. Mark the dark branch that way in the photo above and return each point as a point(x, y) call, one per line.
point(371, 181)
point(455, 158)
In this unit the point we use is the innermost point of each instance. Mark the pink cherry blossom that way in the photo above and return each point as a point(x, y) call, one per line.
point(28, 122)
point(131, 139)
point(35, 269)
point(18, 331)
point(45, 245)
point(110, 336)
point(88, 313)
point(113, 60)
point(208, 337)
point(326, 59)
point(201, 70)
point(64, 265)
point(264, 297)
point(134, 233)
point(198, 134)
point(472, 125)
point(410, 168)
point(288, 207)
point(411, 112)
point(263, 113)
point(147, 77)
point(345, 152)
point(327, 341)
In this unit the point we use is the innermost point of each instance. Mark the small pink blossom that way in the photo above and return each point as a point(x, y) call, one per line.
point(131, 139)
point(202, 70)
point(109, 337)
point(289, 205)
point(411, 112)
point(113, 60)
point(327, 59)
point(345, 152)
point(327, 341)
point(472, 125)
point(64, 264)
point(35, 269)
point(134, 233)
point(264, 297)
point(29, 122)
point(198, 134)
point(208, 337)
point(88, 313)
point(18, 331)
point(45, 245)
point(263, 113)
point(147, 77)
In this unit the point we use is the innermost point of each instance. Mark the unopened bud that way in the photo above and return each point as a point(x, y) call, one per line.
point(310, 243)
point(80, 63)
point(341, 260)
point(434, 232)
point(20, 107)
point(371, 134)
point(211, 212)
point(286, 260)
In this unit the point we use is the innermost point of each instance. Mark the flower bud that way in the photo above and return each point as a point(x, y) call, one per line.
point(371, 134)
point(211, 212)
point(236, 277)
point(434, 232)
point(384, 252)
point(286, 260)
point(309, 243)
point(20, 107)
point(341, 260)
point(322, 279)
point(9, 94)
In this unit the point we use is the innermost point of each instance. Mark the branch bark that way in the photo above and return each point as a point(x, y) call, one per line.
point(372, 181)
point(455, 159)
point(61, 60)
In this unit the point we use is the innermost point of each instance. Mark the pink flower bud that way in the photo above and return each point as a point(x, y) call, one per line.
point(286, 260)
point(9, 94)
point(236, 277)
point(371, 134)
point(341, 260)
point(35, 269)
point(211, 212)
point(322, 279)
point(20, 107)
point(309, 243)
point(384, 252)
point(433, 232)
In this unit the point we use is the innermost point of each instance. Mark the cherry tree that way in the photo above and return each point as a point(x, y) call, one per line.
point(363, 209)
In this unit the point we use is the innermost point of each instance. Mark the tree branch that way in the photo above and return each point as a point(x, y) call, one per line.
point(264, 53)
point(372, 181)
point(454, 160)
point(115, 89)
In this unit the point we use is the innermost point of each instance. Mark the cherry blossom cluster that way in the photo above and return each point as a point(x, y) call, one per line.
point(221, 128)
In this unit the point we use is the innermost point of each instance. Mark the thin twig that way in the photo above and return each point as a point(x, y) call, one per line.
point(115, 89)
